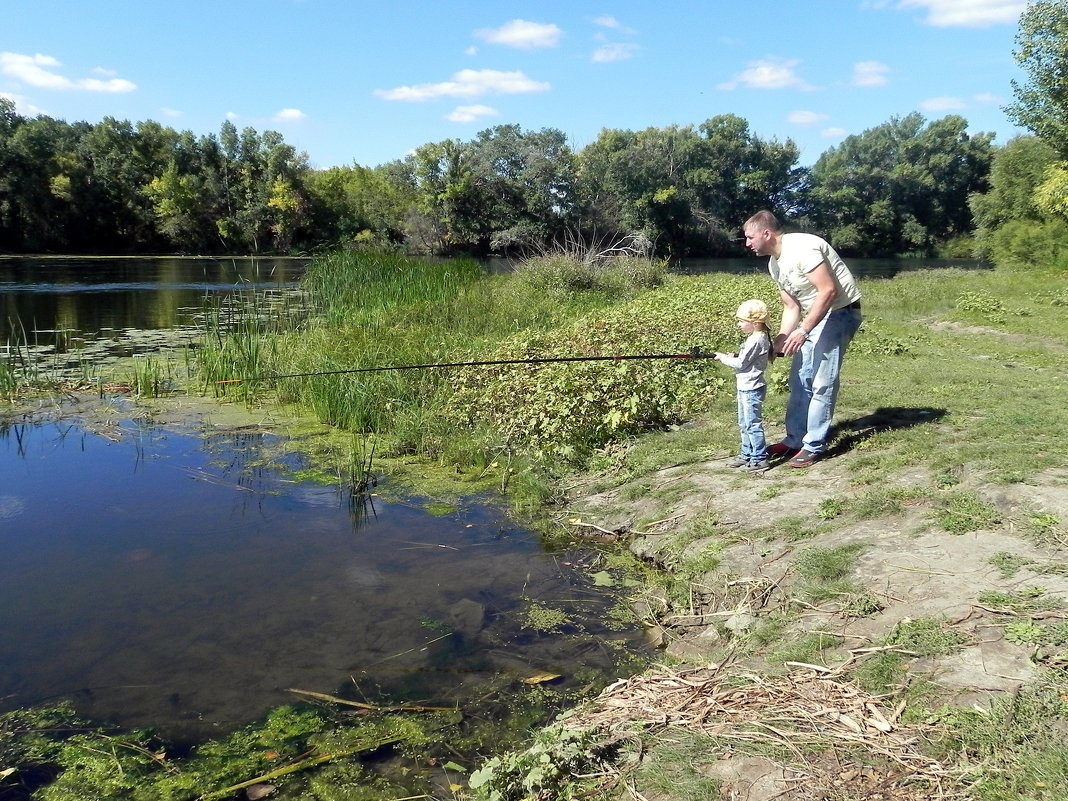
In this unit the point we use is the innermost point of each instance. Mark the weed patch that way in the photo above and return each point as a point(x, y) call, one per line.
point(960, 512)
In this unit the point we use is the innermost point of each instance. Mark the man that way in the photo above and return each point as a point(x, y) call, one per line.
point(821, 313)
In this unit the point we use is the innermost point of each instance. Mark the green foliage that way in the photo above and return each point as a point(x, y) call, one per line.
point(827, 564)
point(1034, 246)
point(666, 768)
point(685, 188)
point(568, 410)
point(925, 637)
point(960, 512)
point(824, 574)
point(983, 305)
point(1043, 526)
point(1017, 169)
point(89, 762)
point(1016, 748)
point(1042, 52)
point(901, 187)
point(151, 378)
point(545, 619)
point(829, 509)
point(564, 273)
point(1021, 602)
point(1009, 564)
point(549, 770)
point(807, 648)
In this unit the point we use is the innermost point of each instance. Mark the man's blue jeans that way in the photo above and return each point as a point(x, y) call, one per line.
point(814, 380)
point(751, 423)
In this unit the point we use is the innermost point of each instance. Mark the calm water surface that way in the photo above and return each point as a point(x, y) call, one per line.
point(100, 308)
point(180, 579)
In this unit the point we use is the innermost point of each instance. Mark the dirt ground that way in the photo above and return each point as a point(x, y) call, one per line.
point(913, 567)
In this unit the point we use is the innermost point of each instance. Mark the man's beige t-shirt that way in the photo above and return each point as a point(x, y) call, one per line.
point(800, 255)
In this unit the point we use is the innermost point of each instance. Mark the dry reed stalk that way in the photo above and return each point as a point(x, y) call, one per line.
point(811, 712)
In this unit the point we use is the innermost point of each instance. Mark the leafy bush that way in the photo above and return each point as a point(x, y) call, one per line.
point(1030, 245)
point(616, 276)
point(982, 304)
point(545, 771)
point(566, 410)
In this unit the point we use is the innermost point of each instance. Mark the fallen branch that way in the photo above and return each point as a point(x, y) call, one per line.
point(333, 699)
point(304, 765)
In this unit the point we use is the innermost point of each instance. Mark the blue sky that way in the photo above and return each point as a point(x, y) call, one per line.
point(367, 82)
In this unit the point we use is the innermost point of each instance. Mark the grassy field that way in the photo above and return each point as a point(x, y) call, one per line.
point(949, 430)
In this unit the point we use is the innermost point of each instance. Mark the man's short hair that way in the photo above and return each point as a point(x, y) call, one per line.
point(765, 220)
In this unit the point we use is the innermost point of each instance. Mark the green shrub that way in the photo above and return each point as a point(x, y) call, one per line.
point(1030, 245)
point(567, 410)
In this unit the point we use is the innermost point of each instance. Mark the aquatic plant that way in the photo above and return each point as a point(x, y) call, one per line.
point(151, 377)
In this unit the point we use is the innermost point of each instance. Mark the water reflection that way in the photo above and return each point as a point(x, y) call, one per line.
point(160, 578)
point(61, 302)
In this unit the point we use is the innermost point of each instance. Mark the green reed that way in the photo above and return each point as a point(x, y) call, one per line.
point(239, 340)
point(9, 383)
point(151, 377)
point(372, 310)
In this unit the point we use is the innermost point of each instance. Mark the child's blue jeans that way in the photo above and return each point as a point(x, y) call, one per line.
point(751, 423)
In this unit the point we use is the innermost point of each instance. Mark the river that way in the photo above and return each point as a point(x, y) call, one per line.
point(181, 575)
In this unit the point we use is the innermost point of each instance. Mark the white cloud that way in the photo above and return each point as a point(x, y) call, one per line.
point(612, 24)
point(40, 71)
point(943, 104)
point(522, 35)
point(467, 84)
point(769, 73)
point(988, 99)
point(833, 133)
point(471, 51)
point(21, 106)
point(805, 117)
point(613, 52)
point(968, 13)
point(471, 113)
point(170, 112)
point(869, 73)
point(231, 115)
point(289, 115)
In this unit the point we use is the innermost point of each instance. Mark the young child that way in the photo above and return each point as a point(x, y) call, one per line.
point(749, 365)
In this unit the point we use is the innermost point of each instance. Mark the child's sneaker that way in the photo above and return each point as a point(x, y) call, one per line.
point(756, 467)
point(738, 461)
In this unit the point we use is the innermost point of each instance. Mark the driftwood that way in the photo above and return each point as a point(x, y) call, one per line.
point(304, 765)
point(333, 699)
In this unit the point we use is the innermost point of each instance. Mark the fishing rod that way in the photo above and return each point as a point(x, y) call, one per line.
point(695, 353)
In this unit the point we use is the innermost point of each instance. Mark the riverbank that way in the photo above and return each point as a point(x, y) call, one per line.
point(887, 624)
point(914, 580)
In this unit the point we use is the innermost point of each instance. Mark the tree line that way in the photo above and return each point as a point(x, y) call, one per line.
point(906, 187)
point(118, 187)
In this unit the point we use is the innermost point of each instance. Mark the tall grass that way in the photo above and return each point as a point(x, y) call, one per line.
point(386, 311)
point(376, 310)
